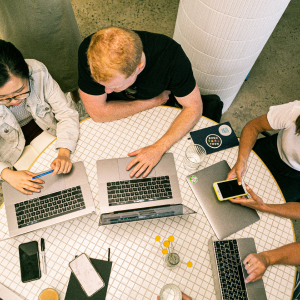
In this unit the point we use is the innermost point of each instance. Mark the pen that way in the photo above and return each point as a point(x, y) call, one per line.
point(43, 255)
point(43, 174)
point(108, 254)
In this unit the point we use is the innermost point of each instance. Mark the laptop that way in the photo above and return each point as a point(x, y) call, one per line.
point(224, 217)
point(125, 199)
point(7, 294)
point(64, 197)
point(229, 272)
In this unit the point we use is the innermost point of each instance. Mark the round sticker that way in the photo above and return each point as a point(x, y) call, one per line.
point(225, 130)
point(213, 141)
point(193, 179)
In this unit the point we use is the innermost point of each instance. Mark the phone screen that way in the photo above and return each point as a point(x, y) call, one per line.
point(88, 277)
point(231, 189)
point(29, 261)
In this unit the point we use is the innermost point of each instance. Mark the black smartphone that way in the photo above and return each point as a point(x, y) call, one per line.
point(29, 261)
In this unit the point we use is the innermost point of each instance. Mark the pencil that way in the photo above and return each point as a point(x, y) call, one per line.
point(43, 174)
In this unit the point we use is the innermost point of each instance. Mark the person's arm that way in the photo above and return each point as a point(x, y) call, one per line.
point(287, 210)
point(62, 163)
point(257, 263)
point(22, 181)
point(101, 110)
point(146, 158)
point(248, 138)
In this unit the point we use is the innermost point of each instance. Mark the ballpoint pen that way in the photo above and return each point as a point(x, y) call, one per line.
point(43, 255)
point(43, 174)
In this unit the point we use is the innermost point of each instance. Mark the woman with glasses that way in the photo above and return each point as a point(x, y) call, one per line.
point(32, 102)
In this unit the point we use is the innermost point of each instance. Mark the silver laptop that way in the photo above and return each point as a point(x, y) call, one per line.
point(124, 198)
point(229, 272)
point(64, 197)
point(7, 294)
point(225, 217)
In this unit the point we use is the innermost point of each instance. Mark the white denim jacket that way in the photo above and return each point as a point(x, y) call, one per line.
point(50, 109)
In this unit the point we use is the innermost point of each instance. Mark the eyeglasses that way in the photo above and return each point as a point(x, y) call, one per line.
point(18, 97)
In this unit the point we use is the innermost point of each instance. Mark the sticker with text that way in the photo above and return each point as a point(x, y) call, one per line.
point(213, 141)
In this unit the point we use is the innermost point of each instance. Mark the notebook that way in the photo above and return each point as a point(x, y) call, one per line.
point(74, 290)
point(224, 217)
point(215, 138)
point(64, 197)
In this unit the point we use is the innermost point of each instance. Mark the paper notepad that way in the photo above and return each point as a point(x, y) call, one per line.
point(33, 150)
point(215, 138)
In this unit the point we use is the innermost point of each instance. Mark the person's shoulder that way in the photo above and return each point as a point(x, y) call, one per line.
point(85, 45)
point(288, 111)
point(35, 66)
point(287, 107)
point(156, 39)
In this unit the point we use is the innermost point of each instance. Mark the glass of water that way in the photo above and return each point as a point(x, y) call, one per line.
point(194, 156)
point(170, 292)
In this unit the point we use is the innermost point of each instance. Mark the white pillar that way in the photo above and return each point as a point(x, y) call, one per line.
point(223, 39)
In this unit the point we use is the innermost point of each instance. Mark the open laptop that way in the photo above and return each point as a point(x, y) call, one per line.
point(126, 199)
point(229, 272)
point(224, 217)
point(64, 197)
point(7, 294)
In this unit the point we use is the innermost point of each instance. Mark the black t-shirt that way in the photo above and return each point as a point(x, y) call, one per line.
point(167, 68)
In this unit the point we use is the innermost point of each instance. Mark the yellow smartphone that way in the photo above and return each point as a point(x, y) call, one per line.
point(228, 189)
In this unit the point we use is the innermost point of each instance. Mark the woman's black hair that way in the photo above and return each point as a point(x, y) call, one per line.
point(11, 63)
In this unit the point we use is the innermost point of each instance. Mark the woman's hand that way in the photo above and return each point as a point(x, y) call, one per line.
point(22, 181)
point(62, 163)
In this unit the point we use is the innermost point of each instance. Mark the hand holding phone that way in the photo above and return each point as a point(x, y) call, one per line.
point(29, 261)
point(89, 279)
point(228, 189)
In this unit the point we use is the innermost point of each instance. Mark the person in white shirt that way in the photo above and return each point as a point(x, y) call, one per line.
point(280, 152)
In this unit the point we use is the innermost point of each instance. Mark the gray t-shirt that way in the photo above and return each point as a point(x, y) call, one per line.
point(288, 142)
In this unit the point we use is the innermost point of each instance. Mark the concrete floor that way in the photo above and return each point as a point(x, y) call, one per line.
point(274, 79)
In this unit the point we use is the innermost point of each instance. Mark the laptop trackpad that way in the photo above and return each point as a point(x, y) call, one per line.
point(53, 183)
point(124, 175)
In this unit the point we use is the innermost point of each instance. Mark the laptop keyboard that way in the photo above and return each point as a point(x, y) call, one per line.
point(230, 270)
point(49, 206)
point(139, 190)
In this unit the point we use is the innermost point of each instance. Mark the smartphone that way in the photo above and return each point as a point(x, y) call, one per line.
point(89, 279)
point(228, 189)
point(29, 261)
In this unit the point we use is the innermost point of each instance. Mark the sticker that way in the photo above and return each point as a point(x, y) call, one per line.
point(225, 130)
point(193, 179)
point(213, 141)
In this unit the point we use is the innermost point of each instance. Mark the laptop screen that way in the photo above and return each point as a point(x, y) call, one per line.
point(145, 214)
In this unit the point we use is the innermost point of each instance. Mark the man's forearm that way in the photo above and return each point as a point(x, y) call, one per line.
point(115, 110)
point(187, 118)
point(285, 255)
point(286, 210)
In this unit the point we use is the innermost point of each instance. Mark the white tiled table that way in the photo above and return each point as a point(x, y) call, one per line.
point(138, 271)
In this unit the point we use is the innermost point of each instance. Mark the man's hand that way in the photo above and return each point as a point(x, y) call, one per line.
point(184, 297)
point(62, 163)
point(255, 202)
point(256, 264)
point(238, 171)
point(145, 160)
point(161, 99)
point(22, 181)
